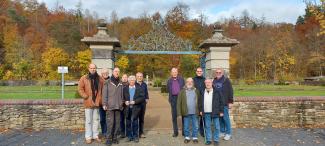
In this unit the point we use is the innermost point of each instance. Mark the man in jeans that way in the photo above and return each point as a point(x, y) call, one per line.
point(212, 110)
point(174, 85)
point(188, 107)
point(90, 89)
point(223, 84)
point(102, 112)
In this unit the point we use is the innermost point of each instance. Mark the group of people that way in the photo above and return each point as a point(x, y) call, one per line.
point(201, 102)
point(118, 104)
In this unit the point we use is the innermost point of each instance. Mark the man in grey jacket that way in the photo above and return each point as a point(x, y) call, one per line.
point(113, 104)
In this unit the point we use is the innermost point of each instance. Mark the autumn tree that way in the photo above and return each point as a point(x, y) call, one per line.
point(51, 59)
point(123, 63)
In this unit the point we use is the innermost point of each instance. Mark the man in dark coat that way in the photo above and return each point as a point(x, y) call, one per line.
point(174, 86)
point(144, 87)
point(199, 84)
point(134, 98)
point(223, 84)
point(113, 104)
point(211, 108)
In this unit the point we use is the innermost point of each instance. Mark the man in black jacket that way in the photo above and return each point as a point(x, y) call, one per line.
point(144, 87)
point(134, 98)
point(211, 108)
point(223, 84)
point(199, 84)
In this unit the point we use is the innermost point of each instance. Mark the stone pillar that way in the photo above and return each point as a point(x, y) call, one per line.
point(102, 46)
point(217, 50)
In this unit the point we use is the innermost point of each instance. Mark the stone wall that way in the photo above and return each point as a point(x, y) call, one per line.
point(279, 112)
point(40, 114)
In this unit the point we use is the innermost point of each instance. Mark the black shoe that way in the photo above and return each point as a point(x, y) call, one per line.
point(175, 134)
point(186, 141)
point(216, 143)
point(136, 140)
point(108, 143)
point(195, 141)
point(129, 140)
point(208, 143)
point(115, 141)
point(122, 136)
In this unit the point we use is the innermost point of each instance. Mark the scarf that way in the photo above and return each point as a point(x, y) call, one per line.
point(94, 79)
point(115, 81)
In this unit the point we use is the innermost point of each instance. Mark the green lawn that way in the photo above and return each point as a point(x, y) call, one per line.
point(36, 92)
point(54, 92)
point(278, 90)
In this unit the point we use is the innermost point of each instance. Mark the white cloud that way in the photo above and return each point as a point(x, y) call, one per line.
point(273, 11)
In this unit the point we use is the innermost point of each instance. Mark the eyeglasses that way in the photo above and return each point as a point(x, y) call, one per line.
point(198, 71)
point(218, 72)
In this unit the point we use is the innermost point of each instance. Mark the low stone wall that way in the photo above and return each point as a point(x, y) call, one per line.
point(279, 112)
point(41, 114)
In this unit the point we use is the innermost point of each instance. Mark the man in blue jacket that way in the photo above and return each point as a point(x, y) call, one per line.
point(174, 86)
point(223, 84)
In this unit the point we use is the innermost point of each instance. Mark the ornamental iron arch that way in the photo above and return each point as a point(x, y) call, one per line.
point(158, 41)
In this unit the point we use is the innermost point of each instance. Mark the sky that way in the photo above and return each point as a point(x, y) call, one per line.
point(274, 11)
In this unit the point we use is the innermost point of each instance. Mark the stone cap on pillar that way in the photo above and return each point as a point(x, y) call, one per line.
point(101, 37)
point(218, 40)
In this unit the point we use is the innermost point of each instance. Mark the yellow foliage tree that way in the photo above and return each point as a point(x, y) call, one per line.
point(318, 11)
point(51, 59)
point(122, 63)
point(83, 59)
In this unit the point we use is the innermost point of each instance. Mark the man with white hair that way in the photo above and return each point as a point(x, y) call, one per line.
point(212, 110)
point(223, 84)
point(174, 86)
point(144, 87)
point(134, 98)
point(113, 104)
point(188, 107)
point(102, 112)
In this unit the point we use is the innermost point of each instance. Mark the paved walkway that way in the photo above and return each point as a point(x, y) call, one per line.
point(158, 128)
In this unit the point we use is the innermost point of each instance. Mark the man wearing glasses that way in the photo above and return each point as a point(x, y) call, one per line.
point(223, 84)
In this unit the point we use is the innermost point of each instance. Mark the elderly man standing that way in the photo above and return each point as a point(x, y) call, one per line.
point(90, 89)
point(223, 84)
point(188, 106)
point(212, 110)
point(113, 103)
point(174, 86)
point(102, 112)
point(199, 84)
point(144, 87)
point(134, 98)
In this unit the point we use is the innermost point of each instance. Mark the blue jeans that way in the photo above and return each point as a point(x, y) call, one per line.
point(225, 125)
point(208, 134)
point(195, 126)
point(132, 126)
point(102, 117)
